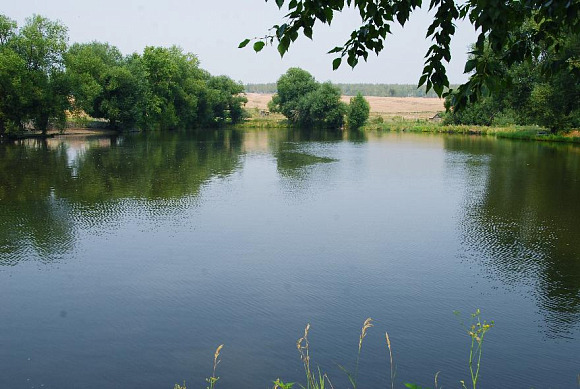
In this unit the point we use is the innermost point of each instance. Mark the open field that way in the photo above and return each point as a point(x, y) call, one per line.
point(406, 107)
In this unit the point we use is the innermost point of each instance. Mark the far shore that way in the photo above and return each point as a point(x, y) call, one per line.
point(404, 107)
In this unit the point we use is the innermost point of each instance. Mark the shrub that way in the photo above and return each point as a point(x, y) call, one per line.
point(358, 111)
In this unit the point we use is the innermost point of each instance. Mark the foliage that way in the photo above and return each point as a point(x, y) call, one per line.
point(292, 87)
point(214, 379)
point(279, 384)
point(229, 100)
point(306, 102)
point(476, 331)
point(41, 79)
point(358, 112)
point(531, 96)
point(32, 82)
point(497, 22)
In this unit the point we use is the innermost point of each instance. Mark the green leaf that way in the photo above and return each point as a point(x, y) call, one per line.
point(414, 386)
point(279, 3)
point(352, 61)
point(335, 50)
point(258, 46)
point(243, 43)
point(336, 63)
point(470, 65)
point(293, 35)
point(282, 49)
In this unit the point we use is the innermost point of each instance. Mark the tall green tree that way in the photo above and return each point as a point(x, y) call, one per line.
point(12, 69)
point(322, 107)
point(306, 102)
point(41, 44)
point(230, 99)
point(292, 86)
point(358, 112)
point(107, 85)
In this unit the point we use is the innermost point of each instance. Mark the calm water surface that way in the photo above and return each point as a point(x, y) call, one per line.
point(125, 261)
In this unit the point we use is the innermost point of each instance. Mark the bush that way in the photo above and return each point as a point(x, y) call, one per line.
point(358, 111)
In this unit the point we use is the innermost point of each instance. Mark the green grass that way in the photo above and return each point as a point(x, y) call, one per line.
point(256, 120)
point(534, 133)
point(272, 121)
point(399, 124)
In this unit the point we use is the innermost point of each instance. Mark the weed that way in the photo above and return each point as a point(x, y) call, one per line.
point(278, 384)
point(476, 331)
point(313, 381)
point(393, 369)
point(363, 333)
point(213, 379)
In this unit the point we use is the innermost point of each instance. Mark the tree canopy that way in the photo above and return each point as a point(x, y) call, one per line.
point(499, 25)
point(358, 112)
point(306, 102)
point(534, 94)
point(43, 81)
point(32, 72)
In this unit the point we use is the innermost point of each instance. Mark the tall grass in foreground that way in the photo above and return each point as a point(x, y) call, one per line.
point(476, 329)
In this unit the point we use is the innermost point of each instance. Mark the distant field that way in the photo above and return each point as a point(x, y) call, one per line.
point(407, 107)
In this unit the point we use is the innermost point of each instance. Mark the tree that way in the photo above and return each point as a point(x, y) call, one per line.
point(106, 85)
point(358, 111)
point(533, 92)
point(41, 44)
point(229, 99)
point(498, 23)
point(322, 108)
point(12, 68)
point(87, 65)
point(292, 86)
point(306, 102)
point(7, 29)
point(41, 80)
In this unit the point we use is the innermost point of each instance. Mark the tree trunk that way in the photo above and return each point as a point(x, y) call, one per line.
point(43, 124)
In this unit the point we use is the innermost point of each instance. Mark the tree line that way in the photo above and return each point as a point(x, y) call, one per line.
point(381, 90)
point(43, 81)
point(542, 90)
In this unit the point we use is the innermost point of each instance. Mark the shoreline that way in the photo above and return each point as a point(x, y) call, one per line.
point(528, 133)
point(75, 131)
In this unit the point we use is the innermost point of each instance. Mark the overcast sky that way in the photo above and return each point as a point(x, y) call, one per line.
point(212, 29)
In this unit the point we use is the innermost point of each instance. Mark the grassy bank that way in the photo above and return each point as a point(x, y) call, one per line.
point(262, 118)
point(512, 132)
point(398, 124)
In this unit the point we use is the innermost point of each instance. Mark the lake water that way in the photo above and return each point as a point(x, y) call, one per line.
point(125, 261)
